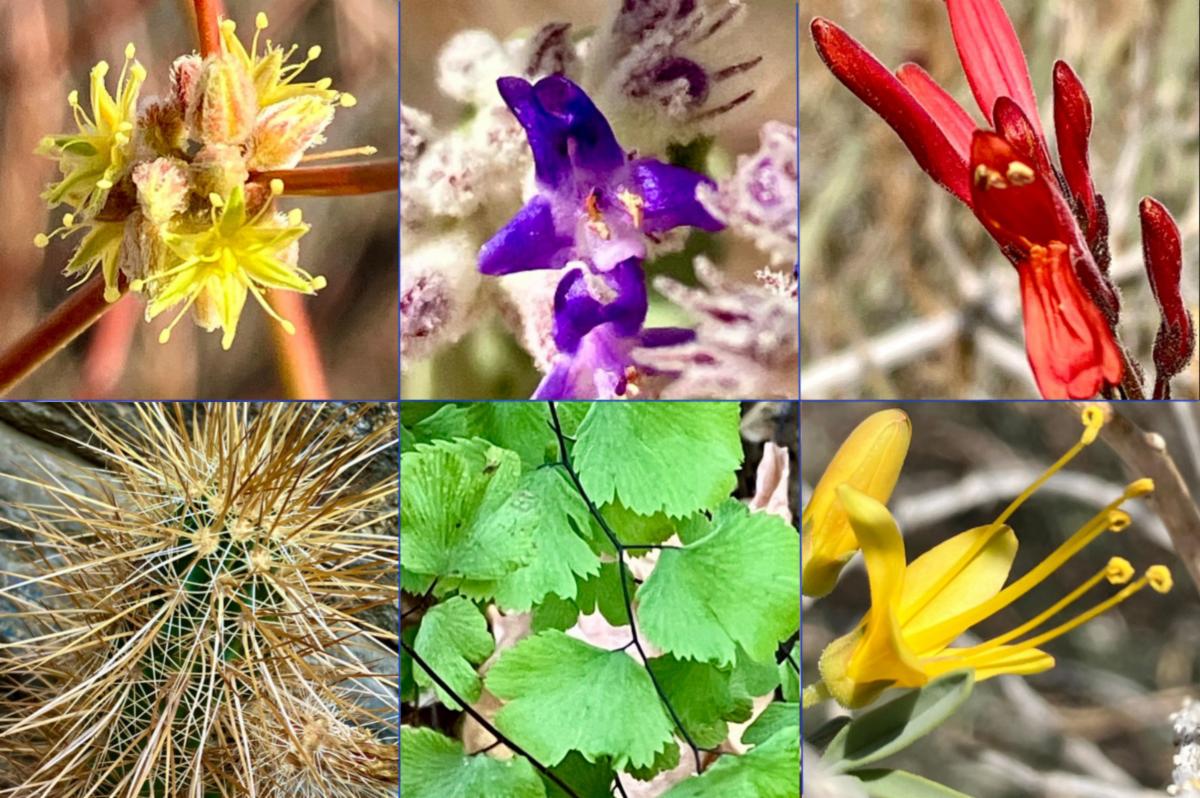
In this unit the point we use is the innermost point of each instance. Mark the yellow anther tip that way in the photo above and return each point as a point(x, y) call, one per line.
point(314, 52)
point(1118, 521)
point(164, 336)
point(137, 285)
point(1119, 571)
point(100, 69)
point(1159, 577)
point(319, 283)
point(111, 294)
point(260, 21)
point(348, 100)
point(1093, 420)
point(288, 327)
point(228, 25)
point(41, 240)
point(276, 186)
point(1139, 487)
point(215, 200)
point(73, 97)
point(295, 216)
point(130, 51)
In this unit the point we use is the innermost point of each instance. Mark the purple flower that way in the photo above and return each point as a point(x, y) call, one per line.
point(595, 208)
point(593, 203)
point(598, 325)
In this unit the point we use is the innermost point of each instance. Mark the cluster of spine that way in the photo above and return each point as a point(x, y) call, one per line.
point(195, 623)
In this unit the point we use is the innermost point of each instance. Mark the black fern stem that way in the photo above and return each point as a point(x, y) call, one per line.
point(545, 771)
point(565, 457)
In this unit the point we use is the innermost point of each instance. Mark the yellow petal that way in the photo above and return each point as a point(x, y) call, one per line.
point(881, 655)
point(869, 460)
point(957, 574)
point(1002, 661)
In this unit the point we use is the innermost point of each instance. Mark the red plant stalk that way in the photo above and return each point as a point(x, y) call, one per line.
point(208, 25)
point(298, 355)
point(336, 180)
point(108, 351)
point(69, 320)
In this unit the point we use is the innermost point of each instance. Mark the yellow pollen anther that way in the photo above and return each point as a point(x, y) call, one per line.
point(314, 52)
point(1020, 174)
point(986, 178)
point(215, 200)
point(1159, 578)
point(41, 240)
point(347, 100)
point(295, 216)
point(595, 217)
point(1139, 487)
point(1093, 420)
point(260, 21)
point(136, 286)
point(130, 51)
point(1118, 521)
point(101, 69)
point(68, 220)
point(228, 25)
point(73, 97)
point(319, 282)
point(634, 204)
point(1119, 571)
point(276, 187)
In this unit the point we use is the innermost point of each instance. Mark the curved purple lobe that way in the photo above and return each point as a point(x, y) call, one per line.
point(669, 197)
point(529, 241)
point(547, 135)
point(592, 145)
point(577, 311)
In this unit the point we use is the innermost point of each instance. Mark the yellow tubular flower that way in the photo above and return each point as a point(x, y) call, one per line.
point(869, 460)
point(918, 609)
point(216, 267)
point(95, 157)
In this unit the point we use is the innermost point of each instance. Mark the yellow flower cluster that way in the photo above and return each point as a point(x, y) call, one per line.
point(165, 193)
point(920, 608)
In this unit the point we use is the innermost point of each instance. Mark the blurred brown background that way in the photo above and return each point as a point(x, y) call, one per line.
point(892, 262)
point(1096, 724)
point(48, 47)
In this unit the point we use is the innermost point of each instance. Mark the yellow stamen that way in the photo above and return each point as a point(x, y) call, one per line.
point(633, 204)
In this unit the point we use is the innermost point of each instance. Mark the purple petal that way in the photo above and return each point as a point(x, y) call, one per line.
point(547, 135)
point(577, 311)
point(669, 197)
point(556, 386)
point(594, 147)
point(529, 241)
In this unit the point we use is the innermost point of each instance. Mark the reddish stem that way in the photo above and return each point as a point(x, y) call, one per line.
point(208, 25)
point(108, 350)
point(64, 324)
point(337, 180)
point(298, 355)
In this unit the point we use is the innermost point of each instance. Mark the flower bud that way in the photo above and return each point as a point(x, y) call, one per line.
point(1175, 343)
point(161, 128)
point(185, 74)
point(226, 102)
point(162, 189)
point(217, 168)
point(286, 130)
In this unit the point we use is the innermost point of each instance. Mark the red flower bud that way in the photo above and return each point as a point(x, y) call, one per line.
point(1175, 343)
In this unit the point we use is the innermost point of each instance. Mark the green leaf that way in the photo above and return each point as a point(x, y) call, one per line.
point(883, 731)
point(587, 779)
point(901, 784)
point(554, 613)
point(408, 441)
point(666, 759)
point(753, 679)
point(778, 715)
point(460, 513)
point(789, 678)
point(524, 427)
point(603, 592)
point(408, 685)
point(633, 529)
point(560, 554)
point(673, 457)
point(565, 695)
point(446, 423)
point(770, 770)
point(453, 639)
point(701, 696)
point(434, 766)
point(740, 585)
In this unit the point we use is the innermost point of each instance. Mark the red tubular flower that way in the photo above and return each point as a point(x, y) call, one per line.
point(1008, 180)
point(1175, 343)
